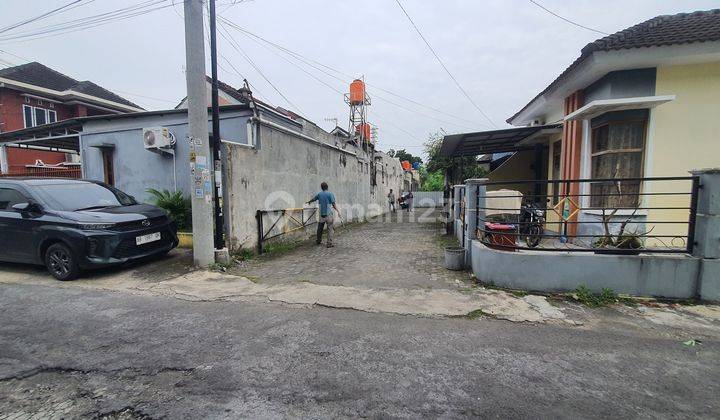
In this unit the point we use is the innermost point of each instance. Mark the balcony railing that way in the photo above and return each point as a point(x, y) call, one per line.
point(45, 172)
point(618, 216)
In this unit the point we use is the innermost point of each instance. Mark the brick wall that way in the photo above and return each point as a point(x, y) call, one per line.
point(11, 118)
point(11, 109)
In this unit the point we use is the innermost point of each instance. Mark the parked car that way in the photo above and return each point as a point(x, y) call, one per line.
point(71, 225)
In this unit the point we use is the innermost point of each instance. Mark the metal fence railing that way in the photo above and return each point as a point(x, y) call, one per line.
point(617, 216)
point(282, 222)
point(44, 172)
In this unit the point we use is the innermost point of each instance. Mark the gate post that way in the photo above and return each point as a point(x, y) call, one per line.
point(259, 217)
point(456, 211)
point(472, 187)
point(707, 233)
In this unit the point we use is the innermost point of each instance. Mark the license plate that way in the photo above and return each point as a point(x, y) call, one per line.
point(143, 239)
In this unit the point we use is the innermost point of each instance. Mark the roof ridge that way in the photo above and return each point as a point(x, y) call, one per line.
point(663, 30)
point(51, 69)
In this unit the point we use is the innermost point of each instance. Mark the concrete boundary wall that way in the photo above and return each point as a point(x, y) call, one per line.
point(639, 275)
point(286, 170)
point(427, 198)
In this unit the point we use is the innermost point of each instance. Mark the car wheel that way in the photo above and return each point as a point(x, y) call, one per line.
point(61, 262)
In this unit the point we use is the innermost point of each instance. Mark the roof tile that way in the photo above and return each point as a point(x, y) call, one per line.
point(682, 28)
point(38, 74)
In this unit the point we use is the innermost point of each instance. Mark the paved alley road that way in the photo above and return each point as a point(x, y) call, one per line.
point(394, 251)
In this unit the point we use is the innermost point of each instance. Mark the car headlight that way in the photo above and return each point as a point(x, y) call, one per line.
point(96, 226)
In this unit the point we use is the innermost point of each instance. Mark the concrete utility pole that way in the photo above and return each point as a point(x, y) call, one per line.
point(200, 161)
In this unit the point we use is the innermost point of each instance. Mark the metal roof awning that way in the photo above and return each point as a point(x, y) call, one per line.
point(496, 141)
point(601, 106)
point(63, 136)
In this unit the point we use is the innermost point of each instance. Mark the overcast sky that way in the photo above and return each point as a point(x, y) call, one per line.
point(503, 52)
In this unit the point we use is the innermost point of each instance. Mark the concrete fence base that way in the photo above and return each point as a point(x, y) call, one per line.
point(639, 275)
point(661, 275)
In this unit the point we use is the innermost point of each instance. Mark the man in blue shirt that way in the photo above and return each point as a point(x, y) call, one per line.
point(325, 198)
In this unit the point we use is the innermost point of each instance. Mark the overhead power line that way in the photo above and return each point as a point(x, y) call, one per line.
point(322, 69)
point(15, 55)
point(437, 57)
point(228, 37)
point(346, 78)
point(36, 18)
point(88, 22)
point(567, 20)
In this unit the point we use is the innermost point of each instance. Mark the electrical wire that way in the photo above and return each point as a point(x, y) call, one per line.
point(144, 96)
point(228, 37)
point(27, 60)
point(15, 55)
point(311, 63)
point(329, 86)
point(88, 22)
point(567, 20)
point(437, 57)
point(346, 78)
point(39, 17)
point(89, 19)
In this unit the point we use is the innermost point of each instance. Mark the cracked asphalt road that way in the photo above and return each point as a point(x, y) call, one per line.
point(81, 353)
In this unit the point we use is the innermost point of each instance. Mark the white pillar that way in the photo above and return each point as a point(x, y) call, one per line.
point(4, 166)
point(472, 187)
point(456, 201)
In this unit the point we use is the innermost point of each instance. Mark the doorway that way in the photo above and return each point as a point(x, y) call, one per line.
point(108, 168)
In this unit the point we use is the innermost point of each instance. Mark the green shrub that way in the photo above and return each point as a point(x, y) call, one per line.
point(178, 207)
point(588, 297)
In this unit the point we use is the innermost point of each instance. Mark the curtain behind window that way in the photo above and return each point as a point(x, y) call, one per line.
point(617, 151)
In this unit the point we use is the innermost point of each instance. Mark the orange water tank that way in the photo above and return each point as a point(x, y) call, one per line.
point(357, 92)
point(364, 130)
point(406, 165)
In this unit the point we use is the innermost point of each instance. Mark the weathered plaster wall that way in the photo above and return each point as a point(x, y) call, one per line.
point(642, 275)
point(286, 171)
point(137, 169)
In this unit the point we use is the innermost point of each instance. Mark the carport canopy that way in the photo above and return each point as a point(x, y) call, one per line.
point(495, 141)
point(63, 136)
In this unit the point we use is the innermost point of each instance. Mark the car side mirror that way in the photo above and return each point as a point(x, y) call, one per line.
point(26, 207)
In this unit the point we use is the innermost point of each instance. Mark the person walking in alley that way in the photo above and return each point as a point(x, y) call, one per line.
point(409, 199)
point(391, 200)
point(326, 199)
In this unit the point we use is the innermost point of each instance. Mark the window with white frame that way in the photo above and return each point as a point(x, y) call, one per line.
point(618, 143)
point(33, 116)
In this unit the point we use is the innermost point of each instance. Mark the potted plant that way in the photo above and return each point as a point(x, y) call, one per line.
point(179, 210)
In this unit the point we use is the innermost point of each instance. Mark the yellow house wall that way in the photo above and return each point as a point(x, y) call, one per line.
point(517, 167)
point(683, 135)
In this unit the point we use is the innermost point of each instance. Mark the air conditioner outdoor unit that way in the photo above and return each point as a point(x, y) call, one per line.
point(158, 138)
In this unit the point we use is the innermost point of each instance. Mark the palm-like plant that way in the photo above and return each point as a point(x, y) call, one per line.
point(178, 206)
